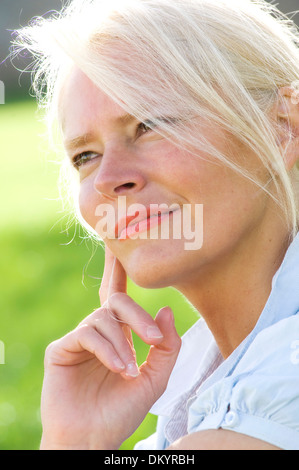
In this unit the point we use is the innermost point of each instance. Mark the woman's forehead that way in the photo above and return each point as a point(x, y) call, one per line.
point(83, 102)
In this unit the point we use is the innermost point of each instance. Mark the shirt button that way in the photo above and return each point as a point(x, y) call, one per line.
point(231, 419)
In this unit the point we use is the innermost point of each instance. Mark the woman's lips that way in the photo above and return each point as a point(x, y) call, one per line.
point(130, 231)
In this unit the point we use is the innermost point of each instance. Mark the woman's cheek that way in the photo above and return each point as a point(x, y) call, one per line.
point(88, 204)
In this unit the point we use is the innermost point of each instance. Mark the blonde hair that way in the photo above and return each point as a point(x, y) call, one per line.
point(220, 60)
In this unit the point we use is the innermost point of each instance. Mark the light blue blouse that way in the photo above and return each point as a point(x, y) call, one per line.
point(255, 391)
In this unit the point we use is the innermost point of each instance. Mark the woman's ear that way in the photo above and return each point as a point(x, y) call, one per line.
point(287, 118)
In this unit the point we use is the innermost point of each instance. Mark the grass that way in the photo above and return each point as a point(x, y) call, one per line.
point(49, 278)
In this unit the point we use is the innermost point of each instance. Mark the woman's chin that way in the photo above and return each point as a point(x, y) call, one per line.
point(154, 264)
point(148, 282)
point(155, 270)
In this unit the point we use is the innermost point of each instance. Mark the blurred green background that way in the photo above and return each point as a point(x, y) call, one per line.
point(49, 276)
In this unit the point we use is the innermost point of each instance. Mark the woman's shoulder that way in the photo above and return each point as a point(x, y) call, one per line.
point(275, 348)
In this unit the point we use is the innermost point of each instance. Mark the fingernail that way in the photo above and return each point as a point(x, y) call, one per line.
point(153, 332)
point(132, 369)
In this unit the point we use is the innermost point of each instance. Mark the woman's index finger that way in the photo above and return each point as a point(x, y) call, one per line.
point(114, 277)
point(118, 279)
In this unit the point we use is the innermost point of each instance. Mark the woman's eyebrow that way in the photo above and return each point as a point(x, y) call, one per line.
point(88, 138)
point(80, 141)
point(85, 139)
point(126, 118)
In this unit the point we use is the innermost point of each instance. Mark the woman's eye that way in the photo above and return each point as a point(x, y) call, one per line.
point(83, 158)
point(145, 127)
point(150, 126)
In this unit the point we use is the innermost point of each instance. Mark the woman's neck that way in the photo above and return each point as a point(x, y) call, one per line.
point(231, 294)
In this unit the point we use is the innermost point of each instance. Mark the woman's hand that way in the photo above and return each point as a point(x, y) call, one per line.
point(94, 396)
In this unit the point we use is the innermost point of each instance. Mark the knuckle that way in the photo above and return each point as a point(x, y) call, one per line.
point(98, 313)
point(117, 297)
point(49, 349)
point(99, 319)
point(177, 343)
point(51, 352)
point(102, 316)
point(82, 329)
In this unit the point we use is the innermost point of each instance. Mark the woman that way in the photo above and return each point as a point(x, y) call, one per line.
point(188, 104)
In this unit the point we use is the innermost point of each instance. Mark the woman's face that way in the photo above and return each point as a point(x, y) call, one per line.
point(121, 159)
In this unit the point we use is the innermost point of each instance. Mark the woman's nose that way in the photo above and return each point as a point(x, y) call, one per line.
point(118, 174)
